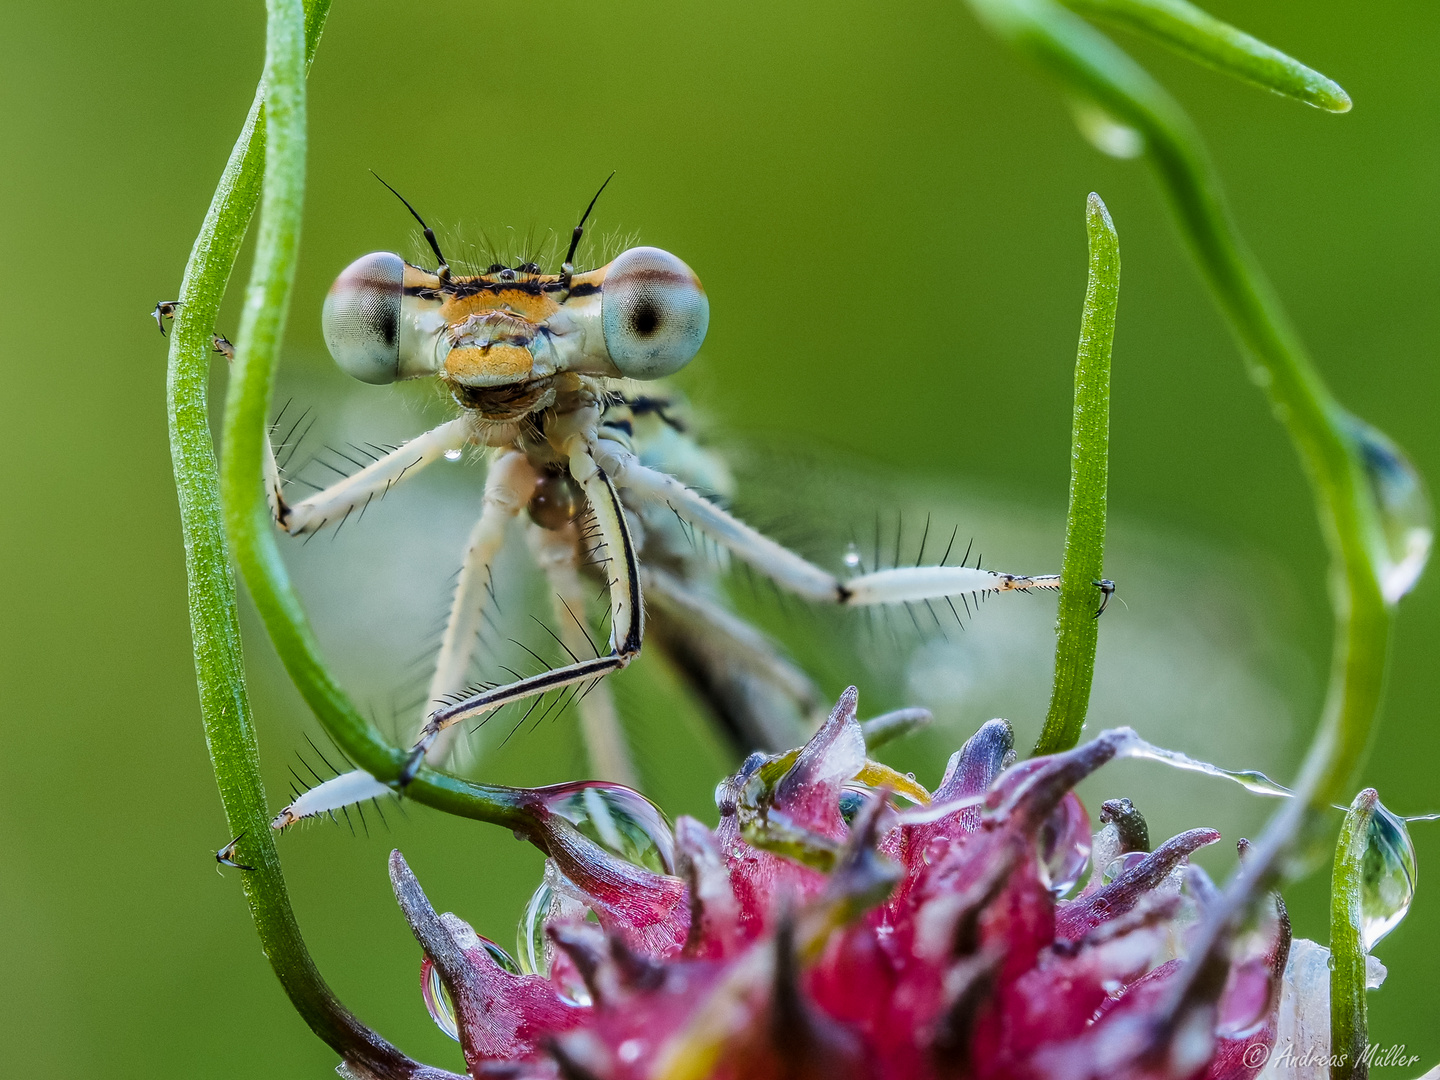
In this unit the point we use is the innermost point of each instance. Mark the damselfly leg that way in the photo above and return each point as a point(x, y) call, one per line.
point(558, 553)
point(336, 503)
point(508, 487)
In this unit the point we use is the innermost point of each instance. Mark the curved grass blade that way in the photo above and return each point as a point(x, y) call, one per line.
point(1192, 32)
point(251, 532)
point(215, 630)
point(1091, 65)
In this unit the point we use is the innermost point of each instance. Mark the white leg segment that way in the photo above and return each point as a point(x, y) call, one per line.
point(338, 500)
point(627, 611)
point(790, 571)
point(508, 486)
point(558, 553)
point(274, 487)
point(907, 583)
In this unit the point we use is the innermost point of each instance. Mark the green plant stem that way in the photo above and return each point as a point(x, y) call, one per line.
point(1349, 1030)
point(219, 663)
point(1091, 64)
point(1192, 32)
point(1077, 627)
point(247, 517)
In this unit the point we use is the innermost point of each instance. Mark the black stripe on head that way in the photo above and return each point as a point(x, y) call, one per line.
point(460, 288)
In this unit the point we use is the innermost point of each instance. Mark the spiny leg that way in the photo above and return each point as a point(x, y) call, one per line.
point(557, 551)
point(508, 487)
point(339, 500)
point(626, 613)
point(791, 571)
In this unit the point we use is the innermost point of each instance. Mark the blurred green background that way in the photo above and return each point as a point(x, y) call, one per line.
point(886, 209)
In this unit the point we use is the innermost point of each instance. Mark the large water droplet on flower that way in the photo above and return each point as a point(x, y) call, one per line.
point(1406, 521)
point(437, 1000)
point(452, 455)
point(619, 819)
point(1064, 845)
point(1387, 876)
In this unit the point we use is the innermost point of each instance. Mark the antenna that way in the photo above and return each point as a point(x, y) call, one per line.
point(444, 271)
point(567, 270)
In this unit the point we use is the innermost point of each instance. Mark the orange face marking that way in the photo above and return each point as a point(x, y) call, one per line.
point(489, 366)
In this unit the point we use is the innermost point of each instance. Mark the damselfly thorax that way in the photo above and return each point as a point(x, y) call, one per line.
point(544, 369)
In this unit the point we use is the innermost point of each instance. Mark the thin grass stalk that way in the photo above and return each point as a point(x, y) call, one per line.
point(219, 662)
point(1349, 1024)
point(251, 531)
point(1077, 626)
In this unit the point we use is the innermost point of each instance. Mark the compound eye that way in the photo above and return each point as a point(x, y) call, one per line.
point(655, 313)
point(361, 318)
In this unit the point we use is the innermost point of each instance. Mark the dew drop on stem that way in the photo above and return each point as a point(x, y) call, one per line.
point(1405, 525)
point(619, 819)
point(1387, 876)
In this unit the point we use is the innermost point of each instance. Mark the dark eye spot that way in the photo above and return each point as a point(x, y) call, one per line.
point(645, 319)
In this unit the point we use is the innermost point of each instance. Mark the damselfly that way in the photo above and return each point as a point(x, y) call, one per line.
point(555, 375)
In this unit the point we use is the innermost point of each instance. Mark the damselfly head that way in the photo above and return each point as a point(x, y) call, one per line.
point(643, 316)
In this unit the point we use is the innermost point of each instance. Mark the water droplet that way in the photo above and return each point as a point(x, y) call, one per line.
point(1132, 746)
point(1387, 876)
point(1104, 847)
point(502, 958)
point(533, 948)
point(1406, 522)
point(437, 1000)
point(1128, 861)
point(452, 454)
point(1064, 845)
point(852, 556)
point(850, 803)
point(619, 819)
